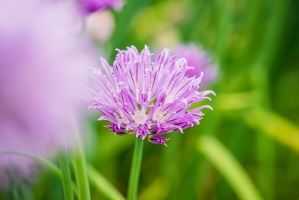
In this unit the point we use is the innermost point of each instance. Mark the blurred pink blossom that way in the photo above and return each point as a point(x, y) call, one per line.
point(43, 63)
point(100, 26)
point(199, 60)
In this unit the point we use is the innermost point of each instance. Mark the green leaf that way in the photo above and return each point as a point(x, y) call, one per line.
point(275, 126)
point(229, 167)
point(102, 184)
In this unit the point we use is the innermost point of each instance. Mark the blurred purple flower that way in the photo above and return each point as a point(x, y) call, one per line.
point(147, 98)
point(43, 61)
point(90, 6)
point(199, 60)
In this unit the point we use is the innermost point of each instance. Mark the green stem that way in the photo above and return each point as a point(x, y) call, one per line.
point(66, 176)
point(135, 169)
point(103, 185)
point(79, 165)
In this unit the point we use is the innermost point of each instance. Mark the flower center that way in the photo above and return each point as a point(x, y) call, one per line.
point(159, 116)
point(139, 117)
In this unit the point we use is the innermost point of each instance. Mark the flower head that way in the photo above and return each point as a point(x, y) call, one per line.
point(43, 60)
point(91, 6)
point(200, 62)
point(147, 98)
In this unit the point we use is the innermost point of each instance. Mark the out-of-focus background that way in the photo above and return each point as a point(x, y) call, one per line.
point(248, 143)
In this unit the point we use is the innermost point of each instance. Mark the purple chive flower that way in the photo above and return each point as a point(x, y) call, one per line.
point(200, 62)
point(91, 6)
point(43, 61)
point(147, 98)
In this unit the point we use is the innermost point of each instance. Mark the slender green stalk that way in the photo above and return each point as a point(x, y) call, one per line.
point(103, 185)
point(229, 167)
point(135, 169)
point(81, 177)
point(80, 170)
point(66, 176)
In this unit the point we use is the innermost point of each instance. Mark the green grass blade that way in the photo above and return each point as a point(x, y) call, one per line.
point(102, 185)
point(229, 167)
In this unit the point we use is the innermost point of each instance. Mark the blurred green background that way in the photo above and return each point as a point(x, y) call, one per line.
point(248, 146)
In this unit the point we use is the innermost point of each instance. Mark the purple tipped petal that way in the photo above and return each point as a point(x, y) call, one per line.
point(156, 139)
point(147, 97)
point(142, 131)
point(117, 129)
